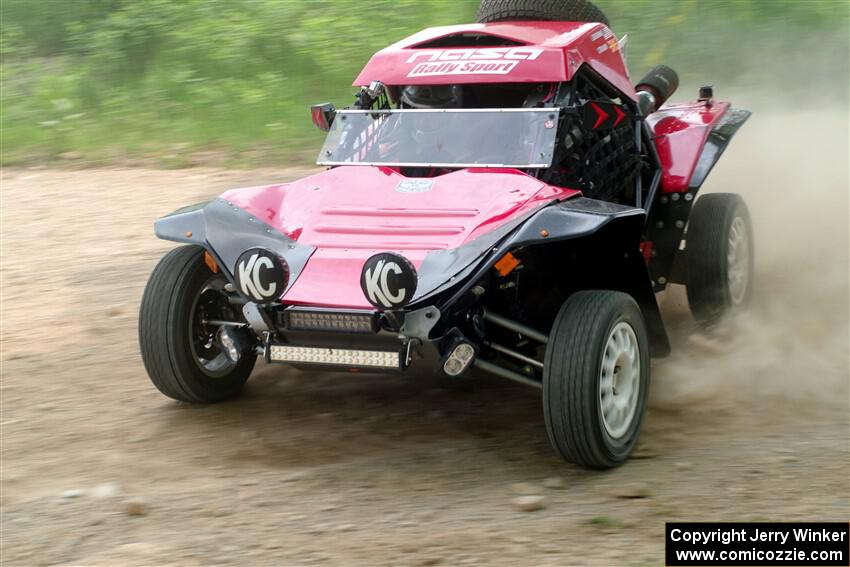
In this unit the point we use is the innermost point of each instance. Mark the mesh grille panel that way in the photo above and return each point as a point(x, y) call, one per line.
point(602, 163)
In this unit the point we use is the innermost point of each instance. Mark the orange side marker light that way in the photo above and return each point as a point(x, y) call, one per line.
point(210, 262)
point(506, 264)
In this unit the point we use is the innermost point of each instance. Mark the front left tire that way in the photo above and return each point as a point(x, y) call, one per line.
point(178, 342)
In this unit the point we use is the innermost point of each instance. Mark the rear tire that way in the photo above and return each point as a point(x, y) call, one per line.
point(719, 252)
point(552, 10)
point(596, 378)
point(177, 365)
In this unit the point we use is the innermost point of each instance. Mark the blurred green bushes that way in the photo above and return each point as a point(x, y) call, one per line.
point(105, 80)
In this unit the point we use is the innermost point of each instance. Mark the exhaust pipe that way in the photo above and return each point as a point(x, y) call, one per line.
point(655, 88)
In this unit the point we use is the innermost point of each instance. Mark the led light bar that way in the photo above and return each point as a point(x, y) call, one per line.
point(336, 356)
point(298, 320)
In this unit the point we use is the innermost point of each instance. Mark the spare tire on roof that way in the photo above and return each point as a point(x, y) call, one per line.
point(553, 10)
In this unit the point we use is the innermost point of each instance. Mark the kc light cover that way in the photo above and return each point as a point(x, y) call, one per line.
point(336, 356)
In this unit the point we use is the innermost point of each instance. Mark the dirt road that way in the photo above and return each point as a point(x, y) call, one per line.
point(100, 469)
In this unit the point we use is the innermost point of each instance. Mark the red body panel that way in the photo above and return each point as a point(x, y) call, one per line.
point(350, 213)
point(549, 52)
point(681, 131)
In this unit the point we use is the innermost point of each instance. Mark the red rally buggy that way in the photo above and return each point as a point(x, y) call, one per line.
point(500, 196)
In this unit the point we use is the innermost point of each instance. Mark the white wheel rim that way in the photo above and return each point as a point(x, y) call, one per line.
point(738, 260)
point(619, 380)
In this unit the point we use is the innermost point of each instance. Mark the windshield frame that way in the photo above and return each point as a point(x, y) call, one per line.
point(551, 110)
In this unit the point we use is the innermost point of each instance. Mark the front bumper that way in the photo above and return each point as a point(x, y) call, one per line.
point(353, 340)
point(397, 348)
point(346, 358)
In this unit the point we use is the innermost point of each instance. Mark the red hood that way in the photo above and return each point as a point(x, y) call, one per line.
point(352, 212)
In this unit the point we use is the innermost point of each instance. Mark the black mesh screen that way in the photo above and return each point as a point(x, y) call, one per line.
point(602, 163)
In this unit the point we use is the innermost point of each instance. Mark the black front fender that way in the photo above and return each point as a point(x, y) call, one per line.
point(716, 143)
point(183, 225)
point(606, 240)
point(226, 231)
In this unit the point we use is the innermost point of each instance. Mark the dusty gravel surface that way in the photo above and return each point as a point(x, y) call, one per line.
point(100, 469)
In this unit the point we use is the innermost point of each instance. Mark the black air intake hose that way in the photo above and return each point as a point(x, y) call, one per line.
point(655, 88)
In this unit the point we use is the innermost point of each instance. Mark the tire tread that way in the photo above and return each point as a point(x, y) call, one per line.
point(549, 10)
point(708, 225)
point(569, 376)
point(168, 366)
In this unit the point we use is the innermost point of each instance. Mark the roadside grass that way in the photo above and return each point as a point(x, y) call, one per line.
point(45, 115)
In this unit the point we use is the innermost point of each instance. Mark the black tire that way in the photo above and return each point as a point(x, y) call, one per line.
point(573, 378)
point(165, 332)
point(716, 221)
point(551, 10)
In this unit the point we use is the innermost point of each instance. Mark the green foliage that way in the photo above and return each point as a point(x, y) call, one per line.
point(168, 78)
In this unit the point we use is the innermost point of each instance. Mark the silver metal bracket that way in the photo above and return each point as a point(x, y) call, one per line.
point(257, 318)
point(418, 324)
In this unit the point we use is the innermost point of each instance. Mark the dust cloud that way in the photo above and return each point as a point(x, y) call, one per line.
point(790, 349)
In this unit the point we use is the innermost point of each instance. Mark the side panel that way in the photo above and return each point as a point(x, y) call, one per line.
point(681, 131)
point(671, 211)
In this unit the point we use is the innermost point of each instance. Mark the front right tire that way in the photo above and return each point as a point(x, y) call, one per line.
point(596, 378)
point(177, 340)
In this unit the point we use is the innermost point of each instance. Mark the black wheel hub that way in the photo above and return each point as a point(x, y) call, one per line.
point(212, 306)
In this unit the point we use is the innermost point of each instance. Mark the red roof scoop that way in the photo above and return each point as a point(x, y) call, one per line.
point(503, 52)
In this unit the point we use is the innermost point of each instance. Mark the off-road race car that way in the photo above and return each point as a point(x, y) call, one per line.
point(499, 197)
